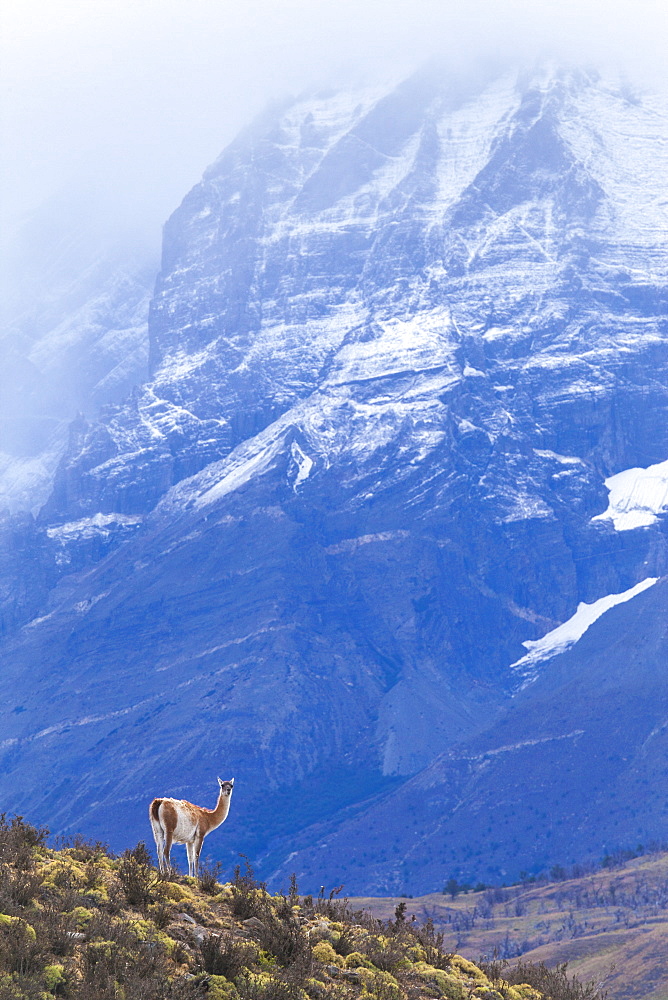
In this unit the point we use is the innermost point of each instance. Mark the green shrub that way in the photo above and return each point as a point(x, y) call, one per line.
point(380, 986)
point(468, 968)
point(331, 906)
point(81, 916)
point(55, 929)
point(220, 988)
point(54, 977)
point(324, 952)
point(20, 951)
point(431, 942)
point(387, 954)
point(264, 986)
point(448, 986)
point(344, 941)
point(19, 842)
point(356, 959)
point(19, 839)
point(160, 913)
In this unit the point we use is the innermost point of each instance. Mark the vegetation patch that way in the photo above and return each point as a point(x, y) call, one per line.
point(79, 923)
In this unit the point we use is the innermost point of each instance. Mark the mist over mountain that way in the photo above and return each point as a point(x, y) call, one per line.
point(74, 337)
point(358, 537)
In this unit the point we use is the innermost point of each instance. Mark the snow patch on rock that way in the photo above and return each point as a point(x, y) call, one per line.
point(637, 497)
point(304, 465)
point(89, 527)
point(569, 632)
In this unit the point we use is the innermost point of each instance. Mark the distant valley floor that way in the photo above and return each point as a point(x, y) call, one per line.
point(610, 926)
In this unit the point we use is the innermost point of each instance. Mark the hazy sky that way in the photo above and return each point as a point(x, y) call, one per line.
point(134, 98)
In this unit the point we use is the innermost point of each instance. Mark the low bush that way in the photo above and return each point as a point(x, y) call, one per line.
point(385, 953)
point(249, 896)
point(431, 941)
point(55, 928)
point(18, 840)
point(139, 880)
point(225, 955)
point(19, 880)
point(555, 983)
point(209, 877)
point(282, 936)
point(20, 951)
point(82, 849)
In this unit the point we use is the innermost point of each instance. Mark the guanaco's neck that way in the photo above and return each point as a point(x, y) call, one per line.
point(219, 814)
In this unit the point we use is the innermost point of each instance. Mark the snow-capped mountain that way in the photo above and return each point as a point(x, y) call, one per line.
point(407, 378)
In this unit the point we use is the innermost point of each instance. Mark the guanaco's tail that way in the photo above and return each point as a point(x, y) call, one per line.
point(158, 832)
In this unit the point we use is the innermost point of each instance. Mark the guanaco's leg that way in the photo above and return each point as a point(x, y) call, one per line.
point(197, 849)
point(160, 845)
point(191, 857)
point(167, 849)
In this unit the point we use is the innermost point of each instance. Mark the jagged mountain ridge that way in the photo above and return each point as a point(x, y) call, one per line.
point(398, 342)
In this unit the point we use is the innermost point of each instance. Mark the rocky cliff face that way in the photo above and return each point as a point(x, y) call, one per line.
point(398, 343)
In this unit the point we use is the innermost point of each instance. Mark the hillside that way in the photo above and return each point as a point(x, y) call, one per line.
point(78, 923)
point(610, 925)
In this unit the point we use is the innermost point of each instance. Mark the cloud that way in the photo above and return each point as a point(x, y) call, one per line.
point(136, 97)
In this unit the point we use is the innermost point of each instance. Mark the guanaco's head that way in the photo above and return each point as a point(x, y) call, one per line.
point(226, 787)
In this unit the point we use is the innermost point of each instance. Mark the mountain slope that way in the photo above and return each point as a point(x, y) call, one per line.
point(399, 342)
point(567, 774)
